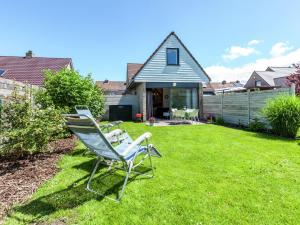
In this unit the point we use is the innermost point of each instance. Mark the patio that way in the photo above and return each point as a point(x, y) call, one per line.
point(208, 175)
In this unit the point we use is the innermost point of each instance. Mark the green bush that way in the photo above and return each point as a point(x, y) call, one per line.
point(67, 88)
point(256, 126)
point(283, 113)
point(26, 128)
point(220, 121)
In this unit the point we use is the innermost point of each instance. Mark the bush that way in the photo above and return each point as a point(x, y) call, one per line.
point(220, 121)
point(283, 113)
point(256, 126)
point(67, 88)
point(26, 128)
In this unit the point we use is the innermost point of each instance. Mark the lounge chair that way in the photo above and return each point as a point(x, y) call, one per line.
point(120, 157)
point(193, 114)
point(83, 109)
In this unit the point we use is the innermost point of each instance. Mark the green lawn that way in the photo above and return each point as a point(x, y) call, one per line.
point(208, 175)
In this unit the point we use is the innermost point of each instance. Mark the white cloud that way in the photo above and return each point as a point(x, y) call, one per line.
point(235, 52)
point(280, 48)
point(254, 42)
point(242, 73)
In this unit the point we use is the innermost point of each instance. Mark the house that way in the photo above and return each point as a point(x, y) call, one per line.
point(214, 88)
point(272, 77)
point(170, 78)
point(30, 69)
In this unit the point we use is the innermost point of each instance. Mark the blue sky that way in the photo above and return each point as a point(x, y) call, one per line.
point(102, 36)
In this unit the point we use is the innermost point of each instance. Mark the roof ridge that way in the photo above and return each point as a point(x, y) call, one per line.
point(34, 57)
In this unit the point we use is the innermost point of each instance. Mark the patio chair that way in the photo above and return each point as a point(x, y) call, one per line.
point(193, 114)
point(83, 109)
point(178, 114)
point(121, 157)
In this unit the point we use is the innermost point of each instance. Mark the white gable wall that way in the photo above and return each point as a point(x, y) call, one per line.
point(156, 70)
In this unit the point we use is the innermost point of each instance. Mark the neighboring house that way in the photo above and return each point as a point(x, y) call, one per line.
point(30, 69)
point(170, 78)
point(272, 77)
point(215, 88)
point(112, 87)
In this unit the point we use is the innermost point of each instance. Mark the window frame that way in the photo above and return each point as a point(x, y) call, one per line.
point(177, 64)
point(257, 82)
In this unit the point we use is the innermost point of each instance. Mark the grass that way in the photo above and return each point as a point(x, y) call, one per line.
point(208, 175)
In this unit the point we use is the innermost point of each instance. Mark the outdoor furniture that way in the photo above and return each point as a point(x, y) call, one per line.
point(121, 157)
point(83, 109)
point(193, 114)
point(178, 114)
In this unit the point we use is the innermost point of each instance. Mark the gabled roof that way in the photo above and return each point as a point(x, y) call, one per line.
point(30, 69)
point(271, 76)
point(284, 70)
point(157, 49)
point(109, 86)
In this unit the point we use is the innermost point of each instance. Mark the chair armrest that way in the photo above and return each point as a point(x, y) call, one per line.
point(136, 142)
point(113, 133)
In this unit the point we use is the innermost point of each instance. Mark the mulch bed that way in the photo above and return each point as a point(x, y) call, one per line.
point(19, 178)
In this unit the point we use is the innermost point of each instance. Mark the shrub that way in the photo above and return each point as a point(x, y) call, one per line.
point(67, 88)
point(256, 126)
point(220, 121)
point(26, 128)
point(283, 113)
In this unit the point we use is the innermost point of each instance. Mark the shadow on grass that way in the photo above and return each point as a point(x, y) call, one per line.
point(105, 182)
point(269, 136)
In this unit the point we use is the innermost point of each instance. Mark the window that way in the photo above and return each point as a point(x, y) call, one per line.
point(182, 98)
point(258, 83)
point(172, 56)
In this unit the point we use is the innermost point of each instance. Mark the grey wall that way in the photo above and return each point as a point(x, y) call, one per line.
point(121, 100)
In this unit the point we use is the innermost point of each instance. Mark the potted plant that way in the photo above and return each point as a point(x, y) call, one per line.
point(151, 121)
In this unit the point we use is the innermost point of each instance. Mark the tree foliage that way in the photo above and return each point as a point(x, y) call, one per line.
point(67, 88)
point(295, 79)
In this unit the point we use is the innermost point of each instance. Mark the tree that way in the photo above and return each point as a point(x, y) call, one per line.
point(295, 79)
point(67, 88)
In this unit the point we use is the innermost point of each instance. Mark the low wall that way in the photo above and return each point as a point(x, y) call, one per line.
point(121, 100)
point(241, 108)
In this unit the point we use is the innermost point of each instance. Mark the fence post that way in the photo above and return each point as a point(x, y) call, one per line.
point(293, 89)
point(222, 99)
point(249, 112)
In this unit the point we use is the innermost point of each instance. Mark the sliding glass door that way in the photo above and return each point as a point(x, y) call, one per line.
point(184, 98)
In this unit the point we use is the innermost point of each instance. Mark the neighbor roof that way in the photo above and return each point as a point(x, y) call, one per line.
point(270, 77)
point(30, 69)
point(132, 69)
point(156, 50)
point(108, 86)
point(283, 70)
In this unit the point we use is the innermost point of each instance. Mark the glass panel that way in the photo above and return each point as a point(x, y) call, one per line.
point(172, 56)
point(183, 98)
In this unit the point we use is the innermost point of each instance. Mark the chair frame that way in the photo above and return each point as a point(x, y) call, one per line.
point(127, 166)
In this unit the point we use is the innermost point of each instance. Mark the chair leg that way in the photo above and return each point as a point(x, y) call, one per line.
point(125, 181)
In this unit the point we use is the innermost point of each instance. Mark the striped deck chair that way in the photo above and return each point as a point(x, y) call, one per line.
point(120, 157)
point(83, 109)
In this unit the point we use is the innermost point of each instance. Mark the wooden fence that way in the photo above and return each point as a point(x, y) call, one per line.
point(241, 108)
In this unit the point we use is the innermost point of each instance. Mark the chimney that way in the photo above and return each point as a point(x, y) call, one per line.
point(29, 54)
point(105, 81)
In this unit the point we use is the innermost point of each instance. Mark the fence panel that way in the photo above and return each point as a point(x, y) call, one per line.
point(241, 108)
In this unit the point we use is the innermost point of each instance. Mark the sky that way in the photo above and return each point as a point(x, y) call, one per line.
point(229, 38)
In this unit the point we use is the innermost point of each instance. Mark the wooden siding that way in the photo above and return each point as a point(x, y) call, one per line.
point(121, 100)
point(241, 108)
point(156, 70)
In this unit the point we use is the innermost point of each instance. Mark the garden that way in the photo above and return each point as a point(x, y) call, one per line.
point(209, 174)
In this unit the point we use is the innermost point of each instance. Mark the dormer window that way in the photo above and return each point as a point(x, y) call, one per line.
point(172, 56)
